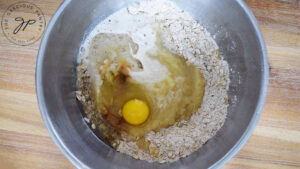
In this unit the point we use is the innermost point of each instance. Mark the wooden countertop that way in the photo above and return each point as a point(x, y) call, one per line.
point(275, 143)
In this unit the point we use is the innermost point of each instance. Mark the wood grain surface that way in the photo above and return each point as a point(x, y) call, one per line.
point(275, 143)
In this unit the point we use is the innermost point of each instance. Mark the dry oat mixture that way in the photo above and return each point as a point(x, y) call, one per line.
point(186, 37)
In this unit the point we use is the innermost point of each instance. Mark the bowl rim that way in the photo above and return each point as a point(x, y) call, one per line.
point(232, 152)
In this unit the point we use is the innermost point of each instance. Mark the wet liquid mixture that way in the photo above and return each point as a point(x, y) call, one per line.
point(174, 98)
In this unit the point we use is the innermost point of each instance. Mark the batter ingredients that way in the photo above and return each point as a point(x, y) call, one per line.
point(113, 69)
point(155, 57)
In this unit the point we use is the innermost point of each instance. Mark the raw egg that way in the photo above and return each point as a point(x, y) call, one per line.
point(135, 112)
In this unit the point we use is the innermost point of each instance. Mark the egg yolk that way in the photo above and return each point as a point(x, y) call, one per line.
point(135, 111)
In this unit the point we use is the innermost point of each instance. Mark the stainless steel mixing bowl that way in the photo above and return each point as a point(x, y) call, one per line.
point(240, 41)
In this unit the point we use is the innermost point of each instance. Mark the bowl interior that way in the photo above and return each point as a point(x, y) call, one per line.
point(239, 43)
